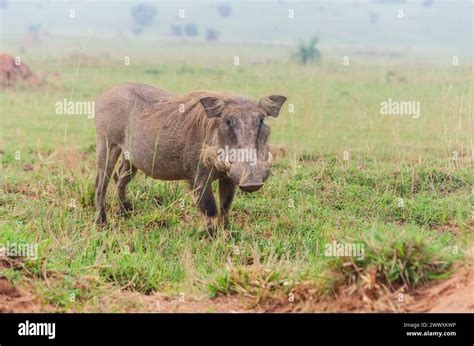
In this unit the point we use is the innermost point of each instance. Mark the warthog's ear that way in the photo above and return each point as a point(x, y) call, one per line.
point(272, 104)
point(213, 106)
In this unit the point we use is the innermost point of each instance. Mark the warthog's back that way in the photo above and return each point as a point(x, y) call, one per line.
point(141, 121)
point(117, 105)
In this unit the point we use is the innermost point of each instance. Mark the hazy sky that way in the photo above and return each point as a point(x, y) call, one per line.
point(442, 25)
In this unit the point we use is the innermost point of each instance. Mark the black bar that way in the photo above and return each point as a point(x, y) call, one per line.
point(292, 329)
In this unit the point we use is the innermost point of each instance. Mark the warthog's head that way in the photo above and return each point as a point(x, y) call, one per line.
point(240, 141)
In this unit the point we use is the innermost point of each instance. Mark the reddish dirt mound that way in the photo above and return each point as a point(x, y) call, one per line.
point(13, 299)
point(455, 294)
point(13, 71)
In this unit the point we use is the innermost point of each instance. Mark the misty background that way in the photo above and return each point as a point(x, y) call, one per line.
point(375, 28)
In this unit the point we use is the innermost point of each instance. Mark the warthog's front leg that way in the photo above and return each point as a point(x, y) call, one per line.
point(226, 196)
point(207, 204)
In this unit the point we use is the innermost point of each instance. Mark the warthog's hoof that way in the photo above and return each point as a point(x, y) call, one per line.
point(158, 200)
point(224, 222)
point(100, 218)
point(211, 231)
point(212, 225)
point(125, 207)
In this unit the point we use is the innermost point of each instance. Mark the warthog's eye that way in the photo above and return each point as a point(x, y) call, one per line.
point(260, 120)
point(228, 122)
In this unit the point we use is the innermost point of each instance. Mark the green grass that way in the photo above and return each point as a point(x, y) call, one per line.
point(278, 235)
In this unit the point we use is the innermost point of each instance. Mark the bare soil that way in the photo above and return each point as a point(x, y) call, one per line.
point(455, 294)
point(13, 72)
point(15, 299)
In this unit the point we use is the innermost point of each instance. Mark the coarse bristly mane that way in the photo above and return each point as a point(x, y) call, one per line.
point(196, 117)
point(198, 123)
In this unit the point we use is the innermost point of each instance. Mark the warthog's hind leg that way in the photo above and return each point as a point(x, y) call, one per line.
point(126, 173)
point(107, 155)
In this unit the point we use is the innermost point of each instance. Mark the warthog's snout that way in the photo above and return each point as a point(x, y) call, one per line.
point(250, 188)
point(248, 177)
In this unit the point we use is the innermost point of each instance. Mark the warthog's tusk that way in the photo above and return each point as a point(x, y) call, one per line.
point(270, 159)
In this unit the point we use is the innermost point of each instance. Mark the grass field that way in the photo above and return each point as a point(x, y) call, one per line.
point(398, 186)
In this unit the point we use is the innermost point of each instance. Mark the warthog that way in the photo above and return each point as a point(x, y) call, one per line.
point(192, 137)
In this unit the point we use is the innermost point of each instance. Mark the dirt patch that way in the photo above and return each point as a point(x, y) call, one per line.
point(455, 294)
point(14, 71)
point(137, 302)
point(15, 299)
point(230, 304)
